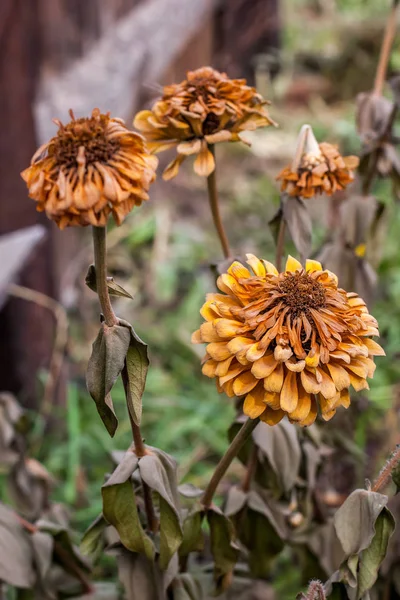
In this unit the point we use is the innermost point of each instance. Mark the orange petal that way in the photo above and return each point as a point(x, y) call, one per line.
point(272, 417)
point(208, 333)
point(374, 349)
point(196, 337)
point(313, 265)
point(293, 265)
point(256, 264)
point(238, 271)
point(274, 382)
point(218, 350)
point(303, 408)
point(263, 367)
point(227, 328)
point(282, 353)
point(209, 367)
point(289, 394)
point(309, 382)
point(244, 383)
point(328, 388)
point(254, 404)
point(239, 344)
point(312, 415)
point(204, 164)
point(339, 375)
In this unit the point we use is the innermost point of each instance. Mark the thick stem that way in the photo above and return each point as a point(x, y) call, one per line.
point(390, 32)
point(100, 263)
point(386, 472)
point(280, 245)
point(233, 450)
point(214, 205)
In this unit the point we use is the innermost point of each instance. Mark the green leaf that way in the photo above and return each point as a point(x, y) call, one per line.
point(137, 363)
point(372, 557)
point(162, 481)
point(105, 364)
point(113, 288)
point(120, 509)
point(355, 520)
point(223, 548)
point(93, 542)
point(193, 538)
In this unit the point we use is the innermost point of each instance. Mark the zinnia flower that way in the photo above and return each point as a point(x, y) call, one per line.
point(321, 170)
point(287, 342)
point(204, 109)
point(92, 167)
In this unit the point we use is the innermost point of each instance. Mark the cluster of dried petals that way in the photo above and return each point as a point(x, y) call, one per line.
point(287, 342)
point(202, 110)
point(322, 172)
point(92, 167)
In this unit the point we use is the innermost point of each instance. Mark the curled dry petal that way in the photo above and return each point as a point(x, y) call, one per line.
point(290, 343)
point(91, 168)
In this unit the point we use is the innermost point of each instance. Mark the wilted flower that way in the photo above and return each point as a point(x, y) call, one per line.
point(320, 169)
point(92, 167)
point(288, 342)
point(204, 109)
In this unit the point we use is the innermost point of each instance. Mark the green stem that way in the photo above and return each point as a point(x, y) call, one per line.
point(214, 205)
point(233, 450)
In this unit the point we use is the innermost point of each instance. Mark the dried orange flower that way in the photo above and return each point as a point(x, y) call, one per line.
point(320, 169)
point(92, 167)
point(204, 109)
point(288, 342)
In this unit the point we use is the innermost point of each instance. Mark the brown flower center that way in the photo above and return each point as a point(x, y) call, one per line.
point(211, 124)
point(89, 133)
point(300, 292)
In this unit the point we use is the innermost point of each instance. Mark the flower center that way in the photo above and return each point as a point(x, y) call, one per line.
point(89, 133)
point(211, 124)
point(300, 292)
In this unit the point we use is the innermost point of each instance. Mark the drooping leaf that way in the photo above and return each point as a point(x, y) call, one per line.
point(355, 520)
point(105, 364)
point(16, 556)
point(137, 363)
point(236, 499)
point(141, 578)
point(372, 557)
point(120, 508)
point(163, 483)
point(188, 490)
point(93, 541)
point(43, 547)
point(186, 587)
point(298, 221)
point(224, 550)
point(193, 538)
point(114, 289)
point(66, 552)
point(281, 447)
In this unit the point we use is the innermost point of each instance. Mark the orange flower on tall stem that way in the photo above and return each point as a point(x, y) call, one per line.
point(316, 168)
point(92, 167)
point(288, 343)
point(204, 109)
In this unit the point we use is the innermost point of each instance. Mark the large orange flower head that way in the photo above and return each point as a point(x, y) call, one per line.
point(202, 110)
point(92, 167)
point(287, 342)
point(319, 169)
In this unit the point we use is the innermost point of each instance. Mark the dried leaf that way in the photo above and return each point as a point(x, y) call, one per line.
point(105, 364)
point(62, 537)
point(281, 447)
point(223, 548)
point(93, 541)
point(188, 490)
point(298, 221)
point(193, 538)
point(235, 501)
point(372, 557)
point(113, 288)
point(140, 577)
point(16, 555)
point(186, 587)
point(120, 509)
point(137, 363)
point(43, 546)
point(162, 481)
point(355, 520)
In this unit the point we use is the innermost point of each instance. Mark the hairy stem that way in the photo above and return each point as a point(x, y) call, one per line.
point(280, 245)
point(390, 32)
point(386, 472)
point(214, 205)
point(100, 263)
point(233, 450)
